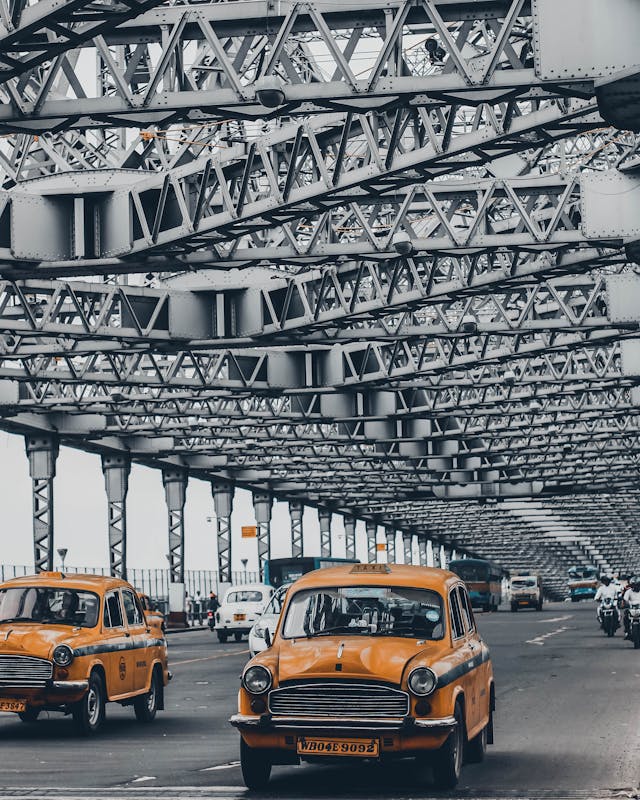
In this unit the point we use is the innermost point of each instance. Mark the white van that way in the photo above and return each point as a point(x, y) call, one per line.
point(526, 591)
point(241, 607)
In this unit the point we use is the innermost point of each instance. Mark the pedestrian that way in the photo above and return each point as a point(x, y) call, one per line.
point(198, 607)
point(188, 604)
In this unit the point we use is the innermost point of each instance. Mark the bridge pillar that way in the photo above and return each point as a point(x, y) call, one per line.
point(443, 557)
point(350, 536)
point(324, 518)
point(406, 547)
point(223, 505)
point(262, 503)
point(372, 555)
point(422, 545)
point(116, 469)
point(390, 535)
point(42, 450)
point(430, 559)
point(296, 511)
point(175, 489)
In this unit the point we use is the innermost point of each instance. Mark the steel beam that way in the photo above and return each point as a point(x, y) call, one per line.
point(350, 536)
point(390, 538)
point(42, 450)
point(372, 530)
point(175, 488)
point(263, 504)
point(116, 469)
point(223, 503)
point(324, 519)
point(296, 514)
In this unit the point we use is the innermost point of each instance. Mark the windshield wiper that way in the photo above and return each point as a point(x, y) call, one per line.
point(17, 619)
point(337, 629)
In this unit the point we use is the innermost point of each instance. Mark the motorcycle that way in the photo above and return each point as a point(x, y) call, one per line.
point(608, 616)
point(211, 620)
point(634, 624)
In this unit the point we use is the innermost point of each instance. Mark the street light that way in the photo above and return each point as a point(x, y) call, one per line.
point(62, 553)
point(244, 562)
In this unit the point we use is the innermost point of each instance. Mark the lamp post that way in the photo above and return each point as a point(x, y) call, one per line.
point(244, 562)
point(62, 554)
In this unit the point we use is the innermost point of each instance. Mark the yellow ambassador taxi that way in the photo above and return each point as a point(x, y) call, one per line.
point(369, 661)
point(71, 643)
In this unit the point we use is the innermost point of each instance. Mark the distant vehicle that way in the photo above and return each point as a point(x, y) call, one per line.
point(483, 579)
point(267, 622)
point(279, 571)
point(241, 607)
point(153, 616)
point(72, 643)
point(583, 583)
point(526, 592)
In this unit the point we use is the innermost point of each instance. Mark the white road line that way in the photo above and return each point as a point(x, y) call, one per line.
point(540, 639)
point(144, 778)
point(208, 658)
point(556, 619)
point(230, 765)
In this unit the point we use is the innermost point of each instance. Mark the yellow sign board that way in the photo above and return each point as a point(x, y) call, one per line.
point(381, 547)
point(249, 531)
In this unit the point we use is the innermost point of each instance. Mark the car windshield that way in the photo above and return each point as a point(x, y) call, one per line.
point(56, 606)
point(471, 572)
point(522, 582)
point(245, 596)
point(274, 606)
point(365, 610)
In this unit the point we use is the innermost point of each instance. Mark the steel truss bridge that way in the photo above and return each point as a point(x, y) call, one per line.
point(379, 258)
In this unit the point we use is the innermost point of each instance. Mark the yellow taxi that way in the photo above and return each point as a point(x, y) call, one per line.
point(369, 661)
point(72, 643)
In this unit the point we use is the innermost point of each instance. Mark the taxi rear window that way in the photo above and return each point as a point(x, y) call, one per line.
point(49, 605)
point(365, 610)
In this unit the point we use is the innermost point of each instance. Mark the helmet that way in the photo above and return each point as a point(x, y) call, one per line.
point(635, 583)
point(605, 579)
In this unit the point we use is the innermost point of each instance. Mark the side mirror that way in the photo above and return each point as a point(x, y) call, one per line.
point(267, 637)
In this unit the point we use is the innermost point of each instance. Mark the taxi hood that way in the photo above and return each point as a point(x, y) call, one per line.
point(19, 638)
point(364, 657)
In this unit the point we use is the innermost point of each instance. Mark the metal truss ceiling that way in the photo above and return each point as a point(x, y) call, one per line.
point(332, 253)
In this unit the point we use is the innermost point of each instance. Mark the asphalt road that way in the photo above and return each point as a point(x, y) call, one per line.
point(567, 725)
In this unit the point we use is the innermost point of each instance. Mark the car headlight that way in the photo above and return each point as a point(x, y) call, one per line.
point(259, 631)
point(422, 681)
point(257, 680)
point(62, 655)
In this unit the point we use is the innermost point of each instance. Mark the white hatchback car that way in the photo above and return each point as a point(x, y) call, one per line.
point(268, 621)
point(241, 607)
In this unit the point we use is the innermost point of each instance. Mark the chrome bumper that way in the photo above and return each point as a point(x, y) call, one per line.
point(401, 724)
point(70, 686)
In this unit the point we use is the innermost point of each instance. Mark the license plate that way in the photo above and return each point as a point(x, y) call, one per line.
point(13, 705)
point(315, 746)
point(239, 617)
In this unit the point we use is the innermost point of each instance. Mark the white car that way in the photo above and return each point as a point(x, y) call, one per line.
point(241, 607)
point(268, 621)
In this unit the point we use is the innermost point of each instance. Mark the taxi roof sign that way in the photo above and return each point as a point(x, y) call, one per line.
point(377, 568)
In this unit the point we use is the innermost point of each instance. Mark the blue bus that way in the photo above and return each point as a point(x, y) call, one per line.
point(278, 571)
point(483, 579)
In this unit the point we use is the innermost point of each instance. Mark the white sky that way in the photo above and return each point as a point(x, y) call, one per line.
point(80, 516)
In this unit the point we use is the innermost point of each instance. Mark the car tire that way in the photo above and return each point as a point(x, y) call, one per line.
point(476, 748)
point(237, 637)
point(635, 637)
point(146, 705)
point(448, 760)
point(514, 607)
point(89, 713)
point(222, 636)
point(255, 765)
point(30, 715)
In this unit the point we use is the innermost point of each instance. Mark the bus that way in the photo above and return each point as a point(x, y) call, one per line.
point(483, 579)
point(582, 583)
point(278, 571)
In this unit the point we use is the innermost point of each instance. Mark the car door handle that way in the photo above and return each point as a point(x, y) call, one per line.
point(127, 635)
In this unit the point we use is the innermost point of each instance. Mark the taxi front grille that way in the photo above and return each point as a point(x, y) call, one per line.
point(334, 700)
point(24, 671)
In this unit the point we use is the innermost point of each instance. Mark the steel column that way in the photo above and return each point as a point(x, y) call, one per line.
point(443, 557)
point(296, 512)
point(350, 536)
point(116, 469)
point(42, 450)
point(372, 555)
point(406, 547)
point(223, 504)
point(262, 503)
point(390, 535)
point(430, 559)
point(324, 518)
point(422, 546)
point(175, 489)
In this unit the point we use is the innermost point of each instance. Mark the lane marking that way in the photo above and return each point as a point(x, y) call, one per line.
point(208, 658)
point(540, 639)
point(556, 619)
point(230, 765)
point(144, 778)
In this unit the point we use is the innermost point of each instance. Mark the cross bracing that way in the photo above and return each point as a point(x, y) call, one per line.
point(332, 254)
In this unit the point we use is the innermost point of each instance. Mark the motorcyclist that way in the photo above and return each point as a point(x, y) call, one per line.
point(632, 595)
point(607, 589)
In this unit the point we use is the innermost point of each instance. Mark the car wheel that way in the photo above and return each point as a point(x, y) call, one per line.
point(476, 748)
point(30, 715)
point(146, 705)
point(89, 713)
point(514, 606)
point(448, 761)
point(222, 636)
point(237, 637)
point(255, 765)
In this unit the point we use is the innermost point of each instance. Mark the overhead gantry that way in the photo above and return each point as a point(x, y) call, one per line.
point(378, 259)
